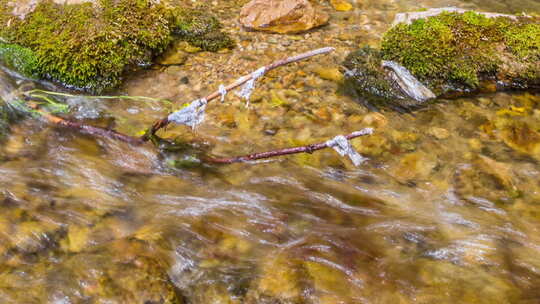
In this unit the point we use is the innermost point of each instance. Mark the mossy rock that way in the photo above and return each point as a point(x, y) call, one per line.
point(366, 80)
point(458, 51)
point(90, 46)
point(455, 54)
point(200, 29)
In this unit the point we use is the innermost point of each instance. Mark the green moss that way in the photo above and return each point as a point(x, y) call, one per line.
point(524, 41)
point(201, 30)
point(20, 59)
point(366, 77)
point(366, 80)
point(90, 46)
point(457, 51)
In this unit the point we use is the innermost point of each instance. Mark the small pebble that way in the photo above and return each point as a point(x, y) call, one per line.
point(439, 133)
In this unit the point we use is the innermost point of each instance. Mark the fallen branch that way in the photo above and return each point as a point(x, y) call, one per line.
point(194, 113)
point(337, 143)
point(287, 151)
point(87, 129)
point(240, 81)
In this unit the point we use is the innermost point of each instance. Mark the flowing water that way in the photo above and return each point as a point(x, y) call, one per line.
point(446, 210)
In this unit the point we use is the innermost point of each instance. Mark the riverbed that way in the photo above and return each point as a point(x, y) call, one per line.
point(445, 210)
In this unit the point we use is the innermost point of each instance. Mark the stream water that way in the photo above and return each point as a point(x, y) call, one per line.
point(446, 209)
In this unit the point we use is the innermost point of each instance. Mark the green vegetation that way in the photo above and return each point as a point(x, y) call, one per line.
point(201, 30)
point(20, 59)
point(457, 51)
point(366, 78)
point(90, 46)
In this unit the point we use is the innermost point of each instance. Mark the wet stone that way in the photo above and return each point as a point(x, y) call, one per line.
point(280, 279)
point(439, 133)
point(282, 16)
point(125, 272)
point(428, 49)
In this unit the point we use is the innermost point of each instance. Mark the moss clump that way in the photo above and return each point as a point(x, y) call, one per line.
point(455, 51)
point(90, 45)
point(201, 30)
point(524, 41)
point(20, 59)
point(365, 78)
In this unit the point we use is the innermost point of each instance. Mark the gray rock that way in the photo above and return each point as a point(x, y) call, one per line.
point(409, 17)
point(407, 82)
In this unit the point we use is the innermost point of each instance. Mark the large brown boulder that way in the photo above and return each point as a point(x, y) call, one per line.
point(282, 16)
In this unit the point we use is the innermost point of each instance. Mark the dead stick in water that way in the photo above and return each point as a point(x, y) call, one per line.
point(91, 130)
point(303, 149)
point(96, 131)
point(240, 81)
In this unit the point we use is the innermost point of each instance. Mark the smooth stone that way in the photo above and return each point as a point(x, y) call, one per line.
point(282, 16)
point(341, 5)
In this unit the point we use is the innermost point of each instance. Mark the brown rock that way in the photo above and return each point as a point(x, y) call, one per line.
point(501, 171)
point(282, 16)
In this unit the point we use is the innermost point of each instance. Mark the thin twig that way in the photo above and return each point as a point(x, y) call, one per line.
point(240, 81)
point(303, 149)
point(91, 130)
point(96, 131)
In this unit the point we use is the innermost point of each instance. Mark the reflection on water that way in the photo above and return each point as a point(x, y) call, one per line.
point(445, 211)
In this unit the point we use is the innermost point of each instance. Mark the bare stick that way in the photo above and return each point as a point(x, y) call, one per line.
point(240, 81)
point(96, 131)
point(303, 149)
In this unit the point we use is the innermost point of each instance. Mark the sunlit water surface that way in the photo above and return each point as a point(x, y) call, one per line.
point(446, 210)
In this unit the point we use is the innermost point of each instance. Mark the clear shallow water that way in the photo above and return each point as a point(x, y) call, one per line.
point(445, 211)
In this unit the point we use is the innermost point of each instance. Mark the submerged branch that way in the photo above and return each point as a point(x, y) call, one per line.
point(240, 81)
point(339, 143)
point(91, 130)
point(287, 151)
point(97, 131)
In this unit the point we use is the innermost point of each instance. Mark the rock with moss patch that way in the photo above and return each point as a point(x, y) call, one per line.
point(452, 54)
point(91, 45)
point(366, 79)
point(279, 281)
